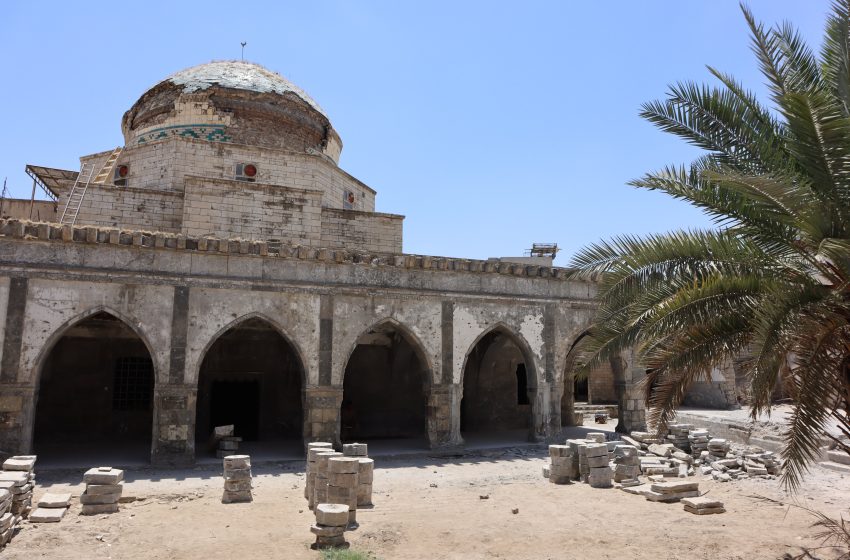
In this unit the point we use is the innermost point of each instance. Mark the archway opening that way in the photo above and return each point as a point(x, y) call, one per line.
point(498, 386)
point(251, 378)
point(95, 396)
point(385, 390)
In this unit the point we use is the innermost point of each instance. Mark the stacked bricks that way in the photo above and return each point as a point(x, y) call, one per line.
point(698, 440)
point(331, 521)
point(227, 446)
point(562, 468)
point(343, 484)
point(718, 447)
point(703, 506)
point(103, 490)
point(20, 469)
point(672, 491)
point(599, 473)
point(8, 520)
point(626, 463)
point(678, 435)
point(579, 457)
point(237, 479)
point(51, 508)
point(365, 471)
point(310, 471)
point(320, 488)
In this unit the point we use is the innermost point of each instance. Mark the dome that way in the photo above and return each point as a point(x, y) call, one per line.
point(232, 101)
point(242, 75)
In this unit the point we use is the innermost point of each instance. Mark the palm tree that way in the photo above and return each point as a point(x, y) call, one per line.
point(772, 281)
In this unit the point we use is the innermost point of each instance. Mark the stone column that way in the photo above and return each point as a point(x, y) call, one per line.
point(17, 417)
point(173, 425)
point(444, 417)
point(321, 414)
point(630, 394)
point(556, 391)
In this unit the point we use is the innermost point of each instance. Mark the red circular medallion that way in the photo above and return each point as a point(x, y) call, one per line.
point(123, 170)
point(250, 170)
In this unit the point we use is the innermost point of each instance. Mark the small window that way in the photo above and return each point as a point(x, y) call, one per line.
point(120, 175)
point(132, 384)
point(348, 200)
point(246, 172)
point(521, 385)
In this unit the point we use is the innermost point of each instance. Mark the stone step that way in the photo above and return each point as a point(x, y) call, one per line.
point(838, 467)
point(838, 456)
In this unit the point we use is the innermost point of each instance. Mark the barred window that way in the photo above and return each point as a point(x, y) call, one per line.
point(133, 384)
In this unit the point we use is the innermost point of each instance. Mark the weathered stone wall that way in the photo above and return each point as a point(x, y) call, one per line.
point(179, 294)
point(368, 231)
point(131, 208)
point(216, 207)
point(24, 209)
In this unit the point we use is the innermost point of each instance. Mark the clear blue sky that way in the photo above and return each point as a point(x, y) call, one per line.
point(490, 125)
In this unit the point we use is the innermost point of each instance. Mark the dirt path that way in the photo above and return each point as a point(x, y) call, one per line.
point(428, 508)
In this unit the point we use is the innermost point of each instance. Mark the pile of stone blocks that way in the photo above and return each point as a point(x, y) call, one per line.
point(703, 506)
point(8, 520)
point(319, 494)
point(331, 522)
point(677, 434)
point(626, 463)
point(698, 440)
point(225, 441)
point(718, 447)
point(671, 491)
point(562, 466)
point(343, 484)
point(313, 449)
point(365, 473)
point(51, 508)
point(237, 479)
point(599, 473)
point(20, 470)
point(104, 486)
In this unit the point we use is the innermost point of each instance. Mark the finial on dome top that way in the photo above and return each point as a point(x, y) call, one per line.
point(243, 43)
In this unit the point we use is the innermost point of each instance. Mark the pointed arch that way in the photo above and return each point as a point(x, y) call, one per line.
point(63, 329)
point(387, 379)
point(406, 332)
point(275, 325)
point(515, 337)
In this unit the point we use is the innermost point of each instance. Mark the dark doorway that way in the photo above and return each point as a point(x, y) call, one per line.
point(95, 393)
point(237, 403)
point(580, 390)
point(250, 377)
point(495, 387)
point(384, 394)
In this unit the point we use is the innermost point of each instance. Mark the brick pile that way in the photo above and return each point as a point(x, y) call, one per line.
point(562, 467)
point(8, 520)
point(310, 470)
point(237, 479)
point(343, 484)
point(626, 463)
point(320, 485)
point(698, 440)
point(104, 486)
point(20, 468)
point(599, 473)
point(331, 522)
point(703, 506)
point(677, 434)
point(366, 467)
point(52, 507)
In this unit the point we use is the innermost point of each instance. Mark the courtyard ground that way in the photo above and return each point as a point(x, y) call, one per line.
point(431, 508)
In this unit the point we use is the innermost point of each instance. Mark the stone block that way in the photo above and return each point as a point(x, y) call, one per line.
point(19, 463)
point(96, 489)
point(333, 515)
point(348, 480)
point(236, 497)
point(103, 475)
point(344, 465)
point(86, 498)
point(47, 515)
point(355, 450)
point(55, 500)
point(13, 478)
point(596, 450)
point(597, 462)
point(96, 509)
point(237, 474)
point(328, 530)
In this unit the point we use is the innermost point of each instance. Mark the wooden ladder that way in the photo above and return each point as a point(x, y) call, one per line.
point(108, 166)
point(77, 194)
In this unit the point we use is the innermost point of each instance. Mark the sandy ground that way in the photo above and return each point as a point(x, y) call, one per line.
point(430, 508)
